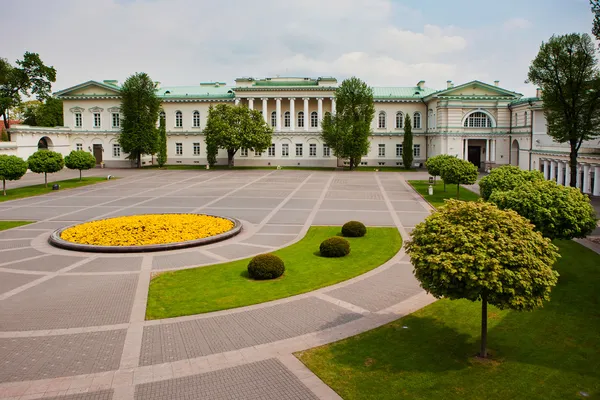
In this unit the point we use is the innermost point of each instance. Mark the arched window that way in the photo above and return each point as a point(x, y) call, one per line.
point(525, 116)
point(196, 119)
point(274, 119)
point(381, 120)
point(301, 119)
point(286, 119)
point(478, 120)
point(399, 120)
point(417, 120)
point(314, 119)
point(162, 116)
point(178, 119)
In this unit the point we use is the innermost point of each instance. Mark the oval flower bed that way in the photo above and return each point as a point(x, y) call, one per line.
point(148, 232)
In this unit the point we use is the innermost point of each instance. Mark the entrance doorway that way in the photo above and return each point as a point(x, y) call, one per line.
point(98, 153)
point(475, 155)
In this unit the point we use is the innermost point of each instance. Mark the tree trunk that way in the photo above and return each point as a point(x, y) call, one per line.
point(483, 351)
point(139, 161)
point(4, 186)
point(6, 124)
point(79, 175)
point(46, 179)
point(444, 186)
point(230, 154)
point(573, 164)
point(458, 191)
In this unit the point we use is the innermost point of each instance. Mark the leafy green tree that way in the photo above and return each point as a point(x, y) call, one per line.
point(81, 160)
point(140, 107)
point(507, 177)
point(234, 127)
point(49, 113)
point(475, 251)
point(558, 212)
point(347, 130)
point(161, 157)
point(435, 164)
point(46, 162)
point(596, 10)
point(407, 144)
point(29, 77)
point(459, 172)
point(12, 168)
point(566, 71)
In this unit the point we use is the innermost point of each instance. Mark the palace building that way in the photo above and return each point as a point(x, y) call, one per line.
point(483, 123)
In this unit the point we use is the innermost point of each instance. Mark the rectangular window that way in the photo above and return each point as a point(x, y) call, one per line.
point(417, 150)
point(116, 120)
point(243, 152)
point(312, 150)
point(272, 150)
point(298, 149)
point(97, 120)
point(179, 149)
point(79, 146)
point(258, 154)
point(285, 150)
point(116, 150)
point(399, 150)
point(326, 151)
point(196, 149)
point(382, 150)
point(78, 120)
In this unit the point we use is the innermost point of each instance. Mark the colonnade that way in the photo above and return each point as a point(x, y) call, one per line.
point(588, 175)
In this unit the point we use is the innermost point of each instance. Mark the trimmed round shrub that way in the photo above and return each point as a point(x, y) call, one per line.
point(335, 247)
point(354, 229)
point(266, 266)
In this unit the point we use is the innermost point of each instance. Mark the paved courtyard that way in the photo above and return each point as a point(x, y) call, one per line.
point(72, 324)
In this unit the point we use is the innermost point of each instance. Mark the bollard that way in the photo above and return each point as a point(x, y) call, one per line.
point(430, 190)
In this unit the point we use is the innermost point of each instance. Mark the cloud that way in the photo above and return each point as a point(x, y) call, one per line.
point(517, 23)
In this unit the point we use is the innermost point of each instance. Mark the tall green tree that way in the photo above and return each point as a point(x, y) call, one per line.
point(161, 157)
point(80, 160)
point(234, 127)
point(596, 25)
point(459, 172)
point(407, 144)
point(12, 168)
point(29, 77)
point(475, 251)
point(140, 107)
point(46, 162)
point(347, 130)
point(566, 71)
point(48, 113)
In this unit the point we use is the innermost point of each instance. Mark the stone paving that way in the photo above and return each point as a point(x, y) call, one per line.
point(72, 324)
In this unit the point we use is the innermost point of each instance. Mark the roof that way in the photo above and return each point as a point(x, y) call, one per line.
point(410, 92)
point(501, 92)
point(112, 85)
point(197, 91)
point(524, 100)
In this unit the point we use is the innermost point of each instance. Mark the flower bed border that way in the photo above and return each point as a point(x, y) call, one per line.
point(56, 241)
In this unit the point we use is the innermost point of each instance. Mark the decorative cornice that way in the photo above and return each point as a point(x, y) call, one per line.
point(76, 109)
point(285, 88)
point(114, 110)
point(90, 97)
point(398, 100)
point(180, 100)
point(96, 109)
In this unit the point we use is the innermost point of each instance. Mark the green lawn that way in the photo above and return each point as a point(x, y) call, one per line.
point(223, 286)
point(438, 197)
point(35, 190)
point(550, 353)
point(4, 225)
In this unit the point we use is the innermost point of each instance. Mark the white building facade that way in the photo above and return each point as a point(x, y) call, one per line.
point(485, 124)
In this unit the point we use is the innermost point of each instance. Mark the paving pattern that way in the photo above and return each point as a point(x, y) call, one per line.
point(72, 324)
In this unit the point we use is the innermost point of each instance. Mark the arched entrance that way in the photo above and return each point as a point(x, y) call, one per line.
point(514, 153)
point(44, 143)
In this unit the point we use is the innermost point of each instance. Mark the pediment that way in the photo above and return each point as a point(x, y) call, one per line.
point(90, 88)
point(478, 89)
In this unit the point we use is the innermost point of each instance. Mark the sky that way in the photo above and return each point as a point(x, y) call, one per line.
point(383, 42)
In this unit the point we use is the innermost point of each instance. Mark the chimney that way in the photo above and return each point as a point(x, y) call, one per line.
point(156, 85)
point(449, 84)
point(538, 93)
point(421, 85)
point(496, 83)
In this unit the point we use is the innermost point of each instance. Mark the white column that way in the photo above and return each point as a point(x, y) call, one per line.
point(586, 178)
point(278, 113)
point(567, 174)
point(546, 169)
point(487, 150)
point(319, 111)
point(560, 177)
point(237, 101)
point(333, 105)
point(264, 100)
point(292, 113)
point(596, 191)
point(552, 170)
point(251, 103)
point(578, 181)
point(493, 151)
point(306, 116)
point(466, 150)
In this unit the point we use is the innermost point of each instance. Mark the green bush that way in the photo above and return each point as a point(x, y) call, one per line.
point(266, 266)
point(334, 247)
point(354, 229)
point(506, 178)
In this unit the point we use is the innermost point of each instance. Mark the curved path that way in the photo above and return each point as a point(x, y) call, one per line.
point(72, 324)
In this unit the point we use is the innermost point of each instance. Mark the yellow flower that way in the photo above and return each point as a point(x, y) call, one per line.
point(139, 230)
